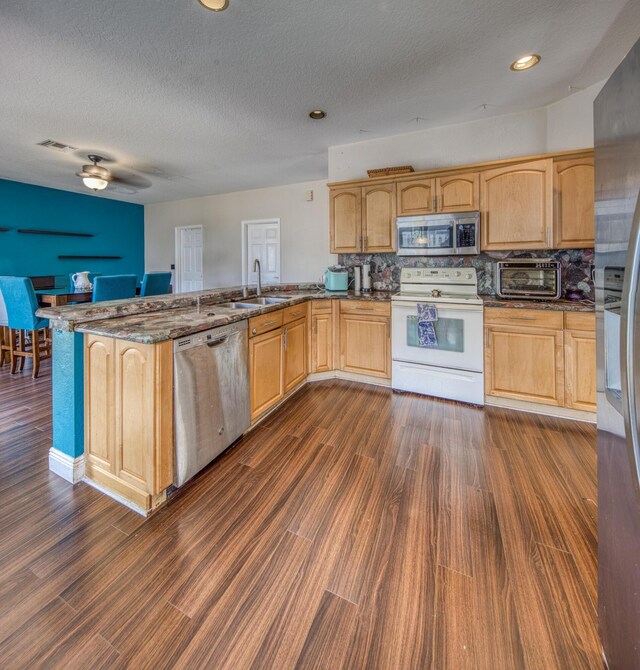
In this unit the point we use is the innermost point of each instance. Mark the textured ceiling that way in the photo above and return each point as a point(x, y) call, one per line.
point(188, 102)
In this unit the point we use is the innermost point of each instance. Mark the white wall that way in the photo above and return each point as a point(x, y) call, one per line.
point(565, 125)
point(304, 231)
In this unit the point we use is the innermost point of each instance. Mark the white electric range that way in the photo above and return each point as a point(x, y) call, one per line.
point(454, 367)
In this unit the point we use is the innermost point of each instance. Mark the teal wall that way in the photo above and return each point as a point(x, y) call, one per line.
point(118, 229)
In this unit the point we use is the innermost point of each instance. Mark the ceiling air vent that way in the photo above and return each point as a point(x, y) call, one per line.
point(58, 146)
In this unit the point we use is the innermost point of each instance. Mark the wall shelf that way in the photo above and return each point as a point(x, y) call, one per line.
point(30, 231)
point(84, 256)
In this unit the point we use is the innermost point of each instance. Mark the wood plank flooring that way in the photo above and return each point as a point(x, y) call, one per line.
point(355, 528)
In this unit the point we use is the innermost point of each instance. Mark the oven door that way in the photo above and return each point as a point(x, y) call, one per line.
point(458, 333)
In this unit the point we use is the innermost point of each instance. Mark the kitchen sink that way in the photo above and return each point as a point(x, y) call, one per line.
point(265, 300)
point(237, 305)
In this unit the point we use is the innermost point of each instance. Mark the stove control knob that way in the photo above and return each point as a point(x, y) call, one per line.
point(408, 275)
point(469, 276)
point(458, 273)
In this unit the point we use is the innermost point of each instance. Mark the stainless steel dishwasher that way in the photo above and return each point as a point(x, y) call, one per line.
point(211, 392)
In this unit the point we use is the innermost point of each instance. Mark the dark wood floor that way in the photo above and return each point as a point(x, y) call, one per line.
point(356, 528)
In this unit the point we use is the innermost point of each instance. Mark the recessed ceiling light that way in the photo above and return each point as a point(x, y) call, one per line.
point(525, 62)
point(215, 5)
point(317, 114)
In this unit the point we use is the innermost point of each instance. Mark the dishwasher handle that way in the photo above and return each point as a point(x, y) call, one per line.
point(218, 342)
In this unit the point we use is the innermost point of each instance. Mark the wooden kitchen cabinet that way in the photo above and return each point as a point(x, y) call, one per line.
point(295, 353)
point(129, 417)
point(517, 206)
point(580, 361)
point(416, 196)
point(266, 371)
point(363, 219)
point(458, 193)
point(345, 220)
point(524, 360)
point(322, 342)
point(441, 194)
point(365, 338)
point(379, 218)
point(574, 203)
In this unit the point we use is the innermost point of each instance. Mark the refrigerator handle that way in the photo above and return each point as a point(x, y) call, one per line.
point(628, 346)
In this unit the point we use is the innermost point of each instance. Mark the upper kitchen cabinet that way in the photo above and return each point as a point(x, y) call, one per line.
point(517, 206)
point(458, 193)
point(416, 196)
point(379, 218)
point(574, 202)
point(345, 220)
point(432, 195)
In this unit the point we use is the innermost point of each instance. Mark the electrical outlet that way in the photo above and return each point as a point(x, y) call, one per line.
point(309, 195)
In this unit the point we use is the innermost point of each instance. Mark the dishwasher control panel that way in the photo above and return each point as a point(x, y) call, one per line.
point(208, 336)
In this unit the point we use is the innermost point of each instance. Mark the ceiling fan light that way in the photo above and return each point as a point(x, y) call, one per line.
point(215, 5)
point(95, 183)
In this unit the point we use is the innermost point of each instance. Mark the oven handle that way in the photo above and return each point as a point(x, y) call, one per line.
point(441, 306)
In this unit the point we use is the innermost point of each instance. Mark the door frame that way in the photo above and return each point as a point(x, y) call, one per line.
point(245, 237)
point(177, 255)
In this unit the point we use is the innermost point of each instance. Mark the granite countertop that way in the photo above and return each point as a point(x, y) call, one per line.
point(554, 305)
point(151, 320)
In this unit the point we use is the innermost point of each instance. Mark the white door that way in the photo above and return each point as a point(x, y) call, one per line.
point(189, 259)
point(263, 243)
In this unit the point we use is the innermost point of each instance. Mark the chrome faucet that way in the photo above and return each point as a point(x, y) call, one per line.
point(256, 268)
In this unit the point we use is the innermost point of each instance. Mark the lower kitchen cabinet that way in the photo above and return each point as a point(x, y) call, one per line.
point(321, 340)
point(525, 364)
point(265, 371)
point(277, 362)
point(295, 353)
point(129, 417)
point(580, 361)
point(365, 344)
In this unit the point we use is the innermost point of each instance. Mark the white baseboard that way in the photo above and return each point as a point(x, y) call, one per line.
point(535, 408)
point(349, 376)
point(117, 497)
point(71, 469)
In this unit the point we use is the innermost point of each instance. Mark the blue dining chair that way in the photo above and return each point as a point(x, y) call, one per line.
point(155, 283)
point(21, 304)
point(114, 287)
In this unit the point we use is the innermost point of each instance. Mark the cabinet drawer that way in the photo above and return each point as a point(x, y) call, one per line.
point(265, 322)
point(321, 307)
point(580, 321)
point(364, 307)
point(294, 312)
point(533, 318)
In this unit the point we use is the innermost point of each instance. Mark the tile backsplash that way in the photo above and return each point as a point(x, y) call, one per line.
point(576, 266)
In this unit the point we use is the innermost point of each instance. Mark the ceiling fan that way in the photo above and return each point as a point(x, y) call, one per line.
point(97, 178)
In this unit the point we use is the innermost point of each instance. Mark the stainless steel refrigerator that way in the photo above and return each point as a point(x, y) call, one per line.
point(617, 188)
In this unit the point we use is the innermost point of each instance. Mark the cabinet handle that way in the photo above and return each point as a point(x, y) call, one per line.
point(366, 243)
point(254, 331)
point(522, 318)
point(548, 236)
point(284, 339)
point(365, 309)
point(486, 338)
point(361, 244)
point(315, 325)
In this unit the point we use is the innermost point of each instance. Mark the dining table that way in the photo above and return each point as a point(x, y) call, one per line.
point(57, 297)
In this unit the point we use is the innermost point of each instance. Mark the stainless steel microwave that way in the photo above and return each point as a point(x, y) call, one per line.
point(454, 234)
point(529, 278)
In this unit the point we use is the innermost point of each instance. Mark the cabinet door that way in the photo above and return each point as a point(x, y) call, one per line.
point(573, 191)
point(265, 365)
point(580, 366)
point(517, 206)
point(525, 364)
point(295, 354)
point(99, 401)
point(458, 193)
point(345, 218)
point(322, 343)
point(379, 218)
point(415, 196)
point(365, 345)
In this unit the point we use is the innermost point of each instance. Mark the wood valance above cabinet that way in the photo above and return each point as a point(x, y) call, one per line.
point(533, 202)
